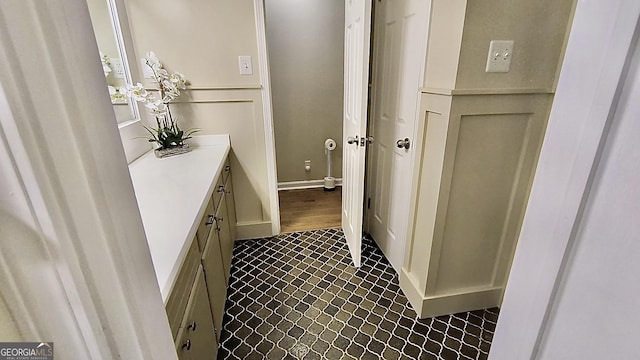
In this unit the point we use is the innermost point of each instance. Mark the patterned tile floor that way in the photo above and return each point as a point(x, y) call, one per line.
point(297, 296)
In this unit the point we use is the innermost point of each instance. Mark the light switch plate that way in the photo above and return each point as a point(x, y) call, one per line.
point(245, 65)
point(499, 57)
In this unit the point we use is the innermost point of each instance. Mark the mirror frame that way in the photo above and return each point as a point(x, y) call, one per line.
point(130, 130)
point(115, 15)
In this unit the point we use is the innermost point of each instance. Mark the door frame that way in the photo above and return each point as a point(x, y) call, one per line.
point(267, 109)
point(600, 42)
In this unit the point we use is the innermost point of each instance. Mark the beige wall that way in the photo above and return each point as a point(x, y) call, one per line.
point(305, 44)
point(445, 36)
point(202, 39)
point(461, 30)
point(538, 29)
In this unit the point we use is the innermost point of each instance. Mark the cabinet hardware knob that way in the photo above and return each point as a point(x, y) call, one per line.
point(211, 220)
point(192, 326)
point(187, 344)
point(218, 229)
point(221, 188)
point(220, 218)
point(227, 168)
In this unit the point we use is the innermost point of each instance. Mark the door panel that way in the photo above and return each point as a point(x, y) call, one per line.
point(357, 35)
point(400, 48)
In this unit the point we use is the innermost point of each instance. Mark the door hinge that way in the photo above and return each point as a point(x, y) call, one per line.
point(368, 203)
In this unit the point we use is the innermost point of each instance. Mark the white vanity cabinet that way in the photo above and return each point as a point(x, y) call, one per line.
point(200, 321)
point(187, 209)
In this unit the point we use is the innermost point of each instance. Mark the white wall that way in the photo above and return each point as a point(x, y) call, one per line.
point(595, 313)
point(75, 266)
point(568, 200)
point(305, 43)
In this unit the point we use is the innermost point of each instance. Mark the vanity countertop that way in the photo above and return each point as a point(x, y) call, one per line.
point(172, 195)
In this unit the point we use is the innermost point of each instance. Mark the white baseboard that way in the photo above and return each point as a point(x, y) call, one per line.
point(449, 303)
point(305, 184)
point(253, 230)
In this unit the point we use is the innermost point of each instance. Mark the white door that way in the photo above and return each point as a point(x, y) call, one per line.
point(356, 78)
point(400, 49)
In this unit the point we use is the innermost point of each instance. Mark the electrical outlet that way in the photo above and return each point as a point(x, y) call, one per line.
point(118, 69)
point(499, 57)
point(246, 67)
point(307, 165)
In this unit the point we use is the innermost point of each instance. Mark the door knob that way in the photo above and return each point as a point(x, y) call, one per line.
point(352, 140)
point(406, 143)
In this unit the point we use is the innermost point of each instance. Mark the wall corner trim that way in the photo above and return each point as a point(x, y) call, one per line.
point(269, 135)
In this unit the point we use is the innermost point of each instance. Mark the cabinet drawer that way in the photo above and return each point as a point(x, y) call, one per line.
point(177, 302)
point(206, 223)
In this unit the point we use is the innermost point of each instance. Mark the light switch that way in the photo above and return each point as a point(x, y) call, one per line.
point(245, 65)
point(499, 57)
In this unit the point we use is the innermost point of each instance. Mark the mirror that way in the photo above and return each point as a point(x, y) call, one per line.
point(106, 28)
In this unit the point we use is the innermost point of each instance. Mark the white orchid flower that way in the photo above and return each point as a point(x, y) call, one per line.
point(170, 91)
point(152, 60)
point(178, 79)
point(161, 74)
point(156, 107)
point(138, 92)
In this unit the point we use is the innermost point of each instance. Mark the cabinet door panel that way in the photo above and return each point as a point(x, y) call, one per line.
point(179, 297)
point(224, 234)
point(198, 337)
point(183, 345)
point(215, 279)
point(231, 206)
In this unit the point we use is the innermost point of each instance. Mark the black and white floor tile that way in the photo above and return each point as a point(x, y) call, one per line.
point(297, 296)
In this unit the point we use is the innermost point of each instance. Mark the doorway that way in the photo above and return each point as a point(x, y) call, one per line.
point(305, 50)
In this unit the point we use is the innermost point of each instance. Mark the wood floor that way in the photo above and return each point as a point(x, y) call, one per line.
point(310, 209)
